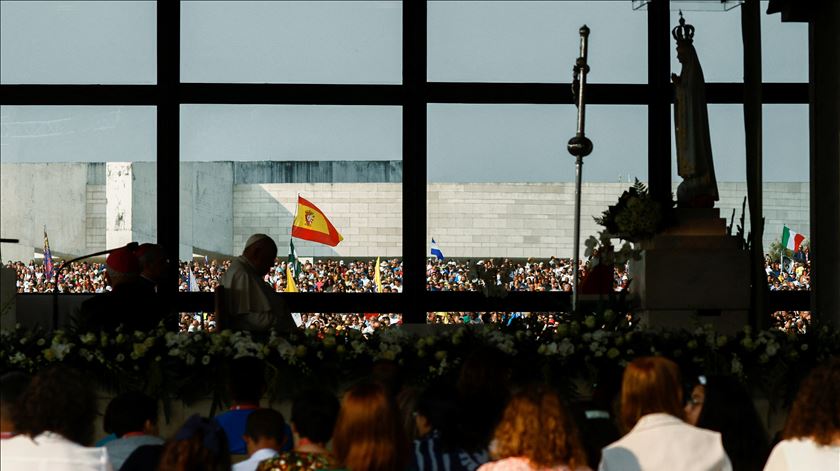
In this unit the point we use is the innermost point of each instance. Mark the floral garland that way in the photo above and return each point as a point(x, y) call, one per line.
point(193, 366)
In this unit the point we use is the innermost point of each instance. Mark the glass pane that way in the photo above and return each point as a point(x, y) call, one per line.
point(787, 192)
point(519, 41)
point(784, 49)
point(291, 42)
point(78, 42)
point(501, 185)
point(243, 168)
point(86, 175)
point(718, 42)
point(720, 48)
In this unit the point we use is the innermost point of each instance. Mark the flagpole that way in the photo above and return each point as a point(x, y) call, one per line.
point(579, 146)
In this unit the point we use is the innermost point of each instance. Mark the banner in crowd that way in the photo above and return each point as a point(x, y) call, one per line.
point(377, 275)
point(49, 268)
point(436, 250)
point(292, 269)
point(311, 224)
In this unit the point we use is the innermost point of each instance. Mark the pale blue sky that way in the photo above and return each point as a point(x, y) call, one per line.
point(359, 42)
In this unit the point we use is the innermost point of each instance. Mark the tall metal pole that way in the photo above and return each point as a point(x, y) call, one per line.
point(579, 146)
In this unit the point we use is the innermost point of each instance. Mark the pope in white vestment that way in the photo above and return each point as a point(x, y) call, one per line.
point(251, 303)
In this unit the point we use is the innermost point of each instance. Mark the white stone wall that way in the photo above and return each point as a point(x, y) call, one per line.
point(34, 195)
point(206, 211)
point(95, 218)
point(368, 215)
point(217, 216)
point(474, 219)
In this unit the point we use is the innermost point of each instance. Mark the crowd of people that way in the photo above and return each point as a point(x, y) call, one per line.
point(483, 417)
point(358, 276)
point(331, 275)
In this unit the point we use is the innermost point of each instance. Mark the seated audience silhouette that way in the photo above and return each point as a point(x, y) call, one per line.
point(314, 413)
point(12, 385)
point(133, 419)
point(55, 418)
point(536, 433)
point(724, 405)
point(246, 383)
point(658, 439)
point(199, 444)
point(368, 433)
point(264, 436)
point(436, 426)
point(811, 437)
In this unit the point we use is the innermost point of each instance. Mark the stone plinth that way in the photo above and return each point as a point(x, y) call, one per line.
point(693, 273)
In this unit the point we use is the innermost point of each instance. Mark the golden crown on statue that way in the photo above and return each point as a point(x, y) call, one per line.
point(684, 33)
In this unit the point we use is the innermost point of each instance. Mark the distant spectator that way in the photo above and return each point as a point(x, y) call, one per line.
point(658, 439)
point(12, 385)
point(133, 419)
point(265, 434)
point(368, 433)
point(56, 420)
point(200, 444)
point(536, 433)
point(812, 431)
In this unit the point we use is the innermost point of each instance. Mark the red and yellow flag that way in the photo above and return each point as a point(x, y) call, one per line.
point(311, 224)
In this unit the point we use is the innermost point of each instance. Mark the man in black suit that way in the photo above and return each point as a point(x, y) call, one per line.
point(130, 302)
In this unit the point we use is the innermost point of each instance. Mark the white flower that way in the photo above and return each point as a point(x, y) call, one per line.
point(120, 357)
point(88, 338)
point(737, 367)
point(205, 360)
point(61, 349)
point(17, 358)
point(566, 348)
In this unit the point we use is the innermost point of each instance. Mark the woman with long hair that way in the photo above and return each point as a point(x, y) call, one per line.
point(536, 433)
point(811, 438)
point(368, 434)
point(658, 439)
point(723, 404)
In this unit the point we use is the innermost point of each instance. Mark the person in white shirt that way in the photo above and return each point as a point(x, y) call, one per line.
point(811, 438)
point(56, 419)
point(264, 437)
point(651, 408)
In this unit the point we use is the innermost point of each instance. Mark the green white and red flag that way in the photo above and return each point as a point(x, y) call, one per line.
point(791, 240)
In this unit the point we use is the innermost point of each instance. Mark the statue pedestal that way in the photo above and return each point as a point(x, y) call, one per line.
point(693, 274)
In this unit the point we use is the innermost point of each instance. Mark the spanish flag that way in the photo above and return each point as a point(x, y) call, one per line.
point(311, 224)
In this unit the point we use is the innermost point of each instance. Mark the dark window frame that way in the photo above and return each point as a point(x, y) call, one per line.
point(414, 94)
